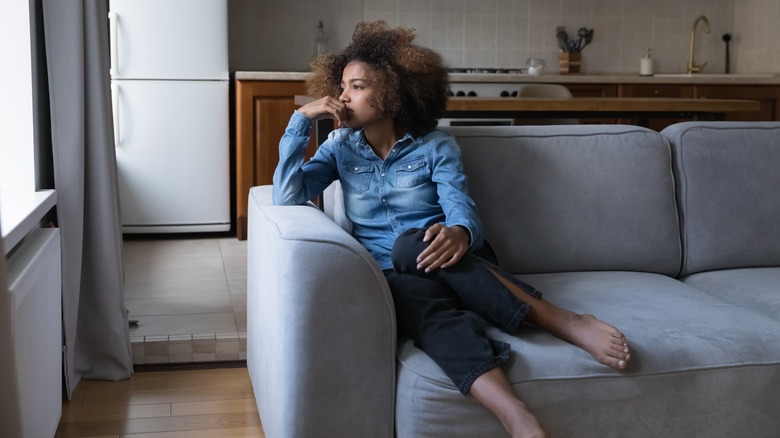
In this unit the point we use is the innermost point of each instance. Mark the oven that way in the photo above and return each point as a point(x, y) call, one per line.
point(481, 89)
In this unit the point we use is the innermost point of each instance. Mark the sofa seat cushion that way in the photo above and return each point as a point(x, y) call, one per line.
point(755, 288)
point(690, 366)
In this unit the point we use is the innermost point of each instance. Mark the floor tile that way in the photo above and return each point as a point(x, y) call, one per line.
point(200, 269)
point(184, 292)
point(179, 305)
point(184, 324)
point(166, 247)
point(237, 286)
point(176, 288)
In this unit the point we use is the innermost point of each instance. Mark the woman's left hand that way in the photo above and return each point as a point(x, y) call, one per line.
point(447, 246)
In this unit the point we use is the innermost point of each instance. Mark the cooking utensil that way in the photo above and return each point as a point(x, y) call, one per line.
point(584, 37)
point(726, 38)
point(563, 38)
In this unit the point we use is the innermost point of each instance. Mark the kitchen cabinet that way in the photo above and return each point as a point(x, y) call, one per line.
point(594, 90)
point(655, 90)
point(769, 96)
point(262, 110)
point(263, 107)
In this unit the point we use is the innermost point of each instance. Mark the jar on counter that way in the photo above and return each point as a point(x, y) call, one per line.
point(535, 66)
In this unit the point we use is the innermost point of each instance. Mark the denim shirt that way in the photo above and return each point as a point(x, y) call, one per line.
point(421, 182)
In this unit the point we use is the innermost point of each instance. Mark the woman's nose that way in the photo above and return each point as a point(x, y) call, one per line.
point(343, 96)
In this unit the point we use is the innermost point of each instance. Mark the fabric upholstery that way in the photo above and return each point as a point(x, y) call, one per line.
point(757, 289)
point(686, 368)
point(320, 324)
point(587, 214)
point(729, 193)
point(564, 198)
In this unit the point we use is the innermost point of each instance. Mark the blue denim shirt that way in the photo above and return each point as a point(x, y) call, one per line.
point(420, 183)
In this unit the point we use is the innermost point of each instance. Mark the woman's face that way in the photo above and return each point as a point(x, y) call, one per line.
point(357, 95)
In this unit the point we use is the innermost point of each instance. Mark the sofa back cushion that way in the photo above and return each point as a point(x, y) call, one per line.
point(574, 198)
point(728, 174)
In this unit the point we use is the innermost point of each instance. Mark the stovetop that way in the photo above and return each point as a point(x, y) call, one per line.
point(486, 70)
point(470, 89)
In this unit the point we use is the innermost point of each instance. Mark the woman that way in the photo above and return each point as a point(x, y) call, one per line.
point(407, 198)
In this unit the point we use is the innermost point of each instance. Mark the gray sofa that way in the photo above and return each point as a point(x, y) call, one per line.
point(673, 237)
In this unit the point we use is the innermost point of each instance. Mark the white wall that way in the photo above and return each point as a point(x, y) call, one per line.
point(756, 24)
point(278, 35)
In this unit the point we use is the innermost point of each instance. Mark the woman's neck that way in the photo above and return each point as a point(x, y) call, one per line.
point(381, 137)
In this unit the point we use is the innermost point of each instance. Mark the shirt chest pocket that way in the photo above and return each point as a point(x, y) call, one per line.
point(356, 176)
point(411, 173)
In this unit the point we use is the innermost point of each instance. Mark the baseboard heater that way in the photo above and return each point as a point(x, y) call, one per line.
point(31, 378)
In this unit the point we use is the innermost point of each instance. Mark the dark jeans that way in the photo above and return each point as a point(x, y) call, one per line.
point(438, 310)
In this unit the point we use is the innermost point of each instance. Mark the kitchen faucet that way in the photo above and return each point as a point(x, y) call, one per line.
point(692, 67)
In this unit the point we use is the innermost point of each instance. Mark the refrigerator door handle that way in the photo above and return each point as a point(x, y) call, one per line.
point(113, 18)
point(115, 111)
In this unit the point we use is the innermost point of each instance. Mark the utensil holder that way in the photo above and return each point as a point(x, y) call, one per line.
point(569, 63)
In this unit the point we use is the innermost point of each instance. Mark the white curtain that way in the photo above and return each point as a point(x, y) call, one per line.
point(95, 329)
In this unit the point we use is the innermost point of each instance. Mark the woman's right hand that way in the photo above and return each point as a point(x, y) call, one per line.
point(325, 108)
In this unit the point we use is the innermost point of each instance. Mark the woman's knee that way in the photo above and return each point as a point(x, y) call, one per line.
point(408, 245)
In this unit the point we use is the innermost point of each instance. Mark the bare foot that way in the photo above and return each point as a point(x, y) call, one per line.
point(602, 341)
point(493, 390)
point(523, 424)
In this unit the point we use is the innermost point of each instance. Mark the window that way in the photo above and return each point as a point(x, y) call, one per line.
point(17, 151)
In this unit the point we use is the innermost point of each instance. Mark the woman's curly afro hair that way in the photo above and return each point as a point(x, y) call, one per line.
point(410, 82)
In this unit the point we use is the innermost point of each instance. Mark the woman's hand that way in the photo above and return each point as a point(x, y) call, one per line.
point(447, 247)
point(325, 108)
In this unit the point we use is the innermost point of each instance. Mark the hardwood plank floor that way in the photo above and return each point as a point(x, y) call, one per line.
point(192, 403)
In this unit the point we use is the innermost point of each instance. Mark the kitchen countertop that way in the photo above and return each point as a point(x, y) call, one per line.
point(701, 78)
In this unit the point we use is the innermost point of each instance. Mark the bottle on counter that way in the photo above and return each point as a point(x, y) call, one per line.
point(321, 41)
point(646, 64)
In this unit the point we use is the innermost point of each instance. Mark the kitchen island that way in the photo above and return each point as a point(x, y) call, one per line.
point(265, 100)
point(606, 78)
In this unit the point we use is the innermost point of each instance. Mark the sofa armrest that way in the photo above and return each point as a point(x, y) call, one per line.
point(321, 331)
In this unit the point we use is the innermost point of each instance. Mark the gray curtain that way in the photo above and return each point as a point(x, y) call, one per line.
point(95, 330)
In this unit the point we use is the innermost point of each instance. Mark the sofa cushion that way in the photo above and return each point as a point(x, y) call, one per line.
point(602, 197)
point(699, 367)
point(729, 193)
point(755, 288)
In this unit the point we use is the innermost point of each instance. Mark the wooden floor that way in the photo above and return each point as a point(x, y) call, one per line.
point(190, 403)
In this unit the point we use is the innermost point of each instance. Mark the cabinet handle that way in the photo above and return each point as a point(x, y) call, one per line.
point(112, 20)
point(115, 110)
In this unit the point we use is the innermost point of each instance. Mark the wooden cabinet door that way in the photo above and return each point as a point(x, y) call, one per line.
point(768, 95)
point(594, 90)
point(263, 109)
point(655, 90)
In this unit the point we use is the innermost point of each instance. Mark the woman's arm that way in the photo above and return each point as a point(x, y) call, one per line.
point(462, 230)
point(294, 182)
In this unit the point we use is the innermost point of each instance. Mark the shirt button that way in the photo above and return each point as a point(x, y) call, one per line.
point(384, 200)
point(383, 174)
point(356, 169)
point(409, 166)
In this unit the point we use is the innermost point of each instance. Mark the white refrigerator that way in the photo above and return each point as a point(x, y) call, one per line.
point(170, 92)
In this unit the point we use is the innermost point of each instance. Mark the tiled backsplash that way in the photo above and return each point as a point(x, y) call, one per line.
point(505, 33)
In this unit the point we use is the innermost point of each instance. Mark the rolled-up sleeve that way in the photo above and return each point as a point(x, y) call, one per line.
point(294, 181)
point(452, 187)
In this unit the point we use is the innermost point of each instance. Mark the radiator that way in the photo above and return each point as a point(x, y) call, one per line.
point(31, 309)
